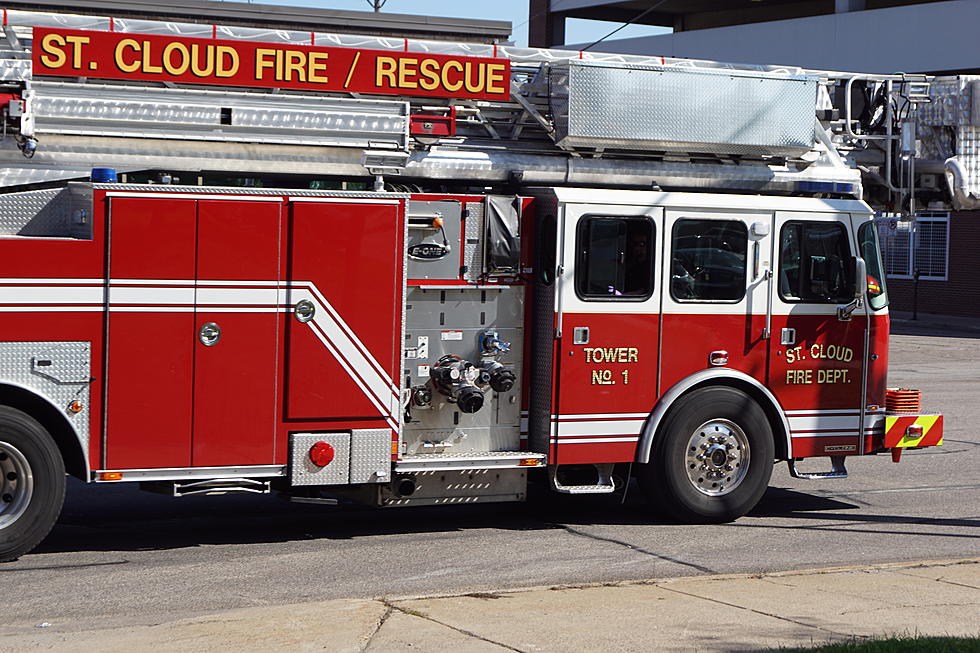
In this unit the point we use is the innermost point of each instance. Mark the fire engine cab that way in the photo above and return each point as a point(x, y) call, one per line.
point(428, 287)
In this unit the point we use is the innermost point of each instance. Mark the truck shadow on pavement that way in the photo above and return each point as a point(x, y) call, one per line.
point(125, 519)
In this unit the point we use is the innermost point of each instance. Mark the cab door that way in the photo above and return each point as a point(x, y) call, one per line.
point(608, 318)
point(816, 370)
point(715, 298)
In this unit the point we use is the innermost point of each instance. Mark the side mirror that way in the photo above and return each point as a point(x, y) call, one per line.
point(860, 277)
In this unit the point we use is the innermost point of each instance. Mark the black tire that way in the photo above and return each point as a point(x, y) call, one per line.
point(725, 426)
point(30, 459)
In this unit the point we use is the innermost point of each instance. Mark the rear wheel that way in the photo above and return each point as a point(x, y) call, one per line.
point(32, 483)
point(712, 459)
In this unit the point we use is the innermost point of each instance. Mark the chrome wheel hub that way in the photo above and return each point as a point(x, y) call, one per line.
point(16, 484)
point(717, 458)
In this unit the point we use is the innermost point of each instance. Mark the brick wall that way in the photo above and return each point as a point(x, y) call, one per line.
point(960, 294)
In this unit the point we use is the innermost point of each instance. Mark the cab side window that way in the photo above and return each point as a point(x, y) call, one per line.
point(814, 262)
point(614, 258)
point(708, 260)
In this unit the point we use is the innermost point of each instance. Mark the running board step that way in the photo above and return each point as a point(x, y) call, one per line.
point(208, 486)
point(837, 470)
point(463, 460)
point(605, 484)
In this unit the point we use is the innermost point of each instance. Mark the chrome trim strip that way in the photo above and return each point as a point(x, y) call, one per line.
point(181, 473)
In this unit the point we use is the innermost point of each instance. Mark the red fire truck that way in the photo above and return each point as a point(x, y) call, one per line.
point(425, 273)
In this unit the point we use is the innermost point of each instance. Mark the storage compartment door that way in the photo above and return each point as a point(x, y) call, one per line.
point(150, 332)
point(235, 362)
point(346, 264)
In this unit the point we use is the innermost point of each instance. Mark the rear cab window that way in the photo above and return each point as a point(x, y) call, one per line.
point(614, 258)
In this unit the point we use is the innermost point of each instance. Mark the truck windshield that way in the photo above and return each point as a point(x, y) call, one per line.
point(877, 293)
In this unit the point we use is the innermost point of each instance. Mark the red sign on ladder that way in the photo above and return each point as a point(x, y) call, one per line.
point(153, 57)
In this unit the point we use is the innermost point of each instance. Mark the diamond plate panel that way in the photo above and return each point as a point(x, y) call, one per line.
point(66, 363)
point(731, 112)
point(15, 70)
point(470, 486)
point(243, 190)
point(69, 360)
point(370, 456)
point(302, 471)
point(953, 102)
point(35, 213)
point(473, 244)
point(968, 151)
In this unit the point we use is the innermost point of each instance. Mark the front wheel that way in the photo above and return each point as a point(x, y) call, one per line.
point(712, 459)
point(32, 483)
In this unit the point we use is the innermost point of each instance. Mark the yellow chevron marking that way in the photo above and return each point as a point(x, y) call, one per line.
point(926, 422)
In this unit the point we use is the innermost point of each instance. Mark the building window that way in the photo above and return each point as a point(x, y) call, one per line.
point(921, 245)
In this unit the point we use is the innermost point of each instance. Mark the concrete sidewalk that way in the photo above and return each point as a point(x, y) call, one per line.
point(704, 613)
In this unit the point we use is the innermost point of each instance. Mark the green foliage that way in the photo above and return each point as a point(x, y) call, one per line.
point(901, 644)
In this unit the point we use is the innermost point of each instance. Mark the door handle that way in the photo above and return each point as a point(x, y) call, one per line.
point(304, 311)
point(210, 334)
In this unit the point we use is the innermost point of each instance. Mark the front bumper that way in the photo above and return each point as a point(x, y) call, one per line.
point(903, 430)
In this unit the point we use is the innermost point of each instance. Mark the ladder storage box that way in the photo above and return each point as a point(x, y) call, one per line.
point(649, 107)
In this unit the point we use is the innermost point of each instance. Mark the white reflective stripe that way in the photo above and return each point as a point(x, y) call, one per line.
point(350, 371)
point(610, 427)
point(51, 309)
point(183, 295)
point(235, 296)
point(563, 417)
point(156, 282)
point(51, 295)
point(593, 440)
point(152, 296)
point(823, 422)
point(190, 309)
point(344, 345)
point(53, 282)
point(364, 351)
point(836, 434)
point(191, 282)
point(218, 282)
